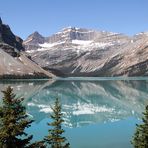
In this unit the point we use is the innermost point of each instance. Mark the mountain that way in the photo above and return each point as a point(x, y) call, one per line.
point(33, 40)
point(14, 62)
point(85, 52)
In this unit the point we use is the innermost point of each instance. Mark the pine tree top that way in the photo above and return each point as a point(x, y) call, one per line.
point(55, 138)
point(13, 120)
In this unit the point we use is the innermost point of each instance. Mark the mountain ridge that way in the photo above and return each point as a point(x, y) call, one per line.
point(83, 52)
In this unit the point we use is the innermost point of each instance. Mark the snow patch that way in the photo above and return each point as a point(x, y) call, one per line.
point(113, 33)
point(49, 45)
point(46, 46)
point(20, 58)
point(146, 33)
point(43, 108)
point(114, 120)
point(83, 112)
point(30, 51)
point(46, 110)
point(142, 33)
point(30, 84)
point(80, 109)
point(102, 44)
point(81, 42)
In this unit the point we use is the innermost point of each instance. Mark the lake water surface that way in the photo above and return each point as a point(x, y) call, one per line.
point(98, 112)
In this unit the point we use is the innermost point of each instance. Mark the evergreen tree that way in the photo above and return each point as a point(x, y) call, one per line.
point(13, 121)
point(39, 144)
point(140, 138)
point(55, 138)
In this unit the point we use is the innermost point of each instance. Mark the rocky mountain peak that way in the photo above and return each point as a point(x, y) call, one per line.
point(35, 38)
point(0, 21)
point(36, 34)
point(69, 29)
point(72, 33)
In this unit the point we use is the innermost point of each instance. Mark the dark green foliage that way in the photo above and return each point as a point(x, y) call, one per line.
point(39, 144)
point(13, 121)
point(35, 75)
point(140, 138)
point(55, 138)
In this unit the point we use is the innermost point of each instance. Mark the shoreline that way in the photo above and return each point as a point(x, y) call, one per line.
point(77, 78)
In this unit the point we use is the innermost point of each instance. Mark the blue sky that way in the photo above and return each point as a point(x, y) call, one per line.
point(50, 16)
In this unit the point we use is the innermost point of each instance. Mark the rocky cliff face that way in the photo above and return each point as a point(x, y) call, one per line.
point(84, 52)
point(7, 37)
point(13, 62)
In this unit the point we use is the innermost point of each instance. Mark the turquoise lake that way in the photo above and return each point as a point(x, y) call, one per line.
point(98, 112)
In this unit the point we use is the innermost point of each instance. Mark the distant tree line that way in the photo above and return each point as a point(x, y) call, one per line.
point(34, 75)
point(14, 120)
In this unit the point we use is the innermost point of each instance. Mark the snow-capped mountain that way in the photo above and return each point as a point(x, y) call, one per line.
point(85, 52)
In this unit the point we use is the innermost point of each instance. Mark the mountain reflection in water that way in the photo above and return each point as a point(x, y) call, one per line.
point(83, 102)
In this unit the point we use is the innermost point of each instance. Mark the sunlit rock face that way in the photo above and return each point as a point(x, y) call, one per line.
point(85, 52)
point(84, 102)
point(20, 67)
